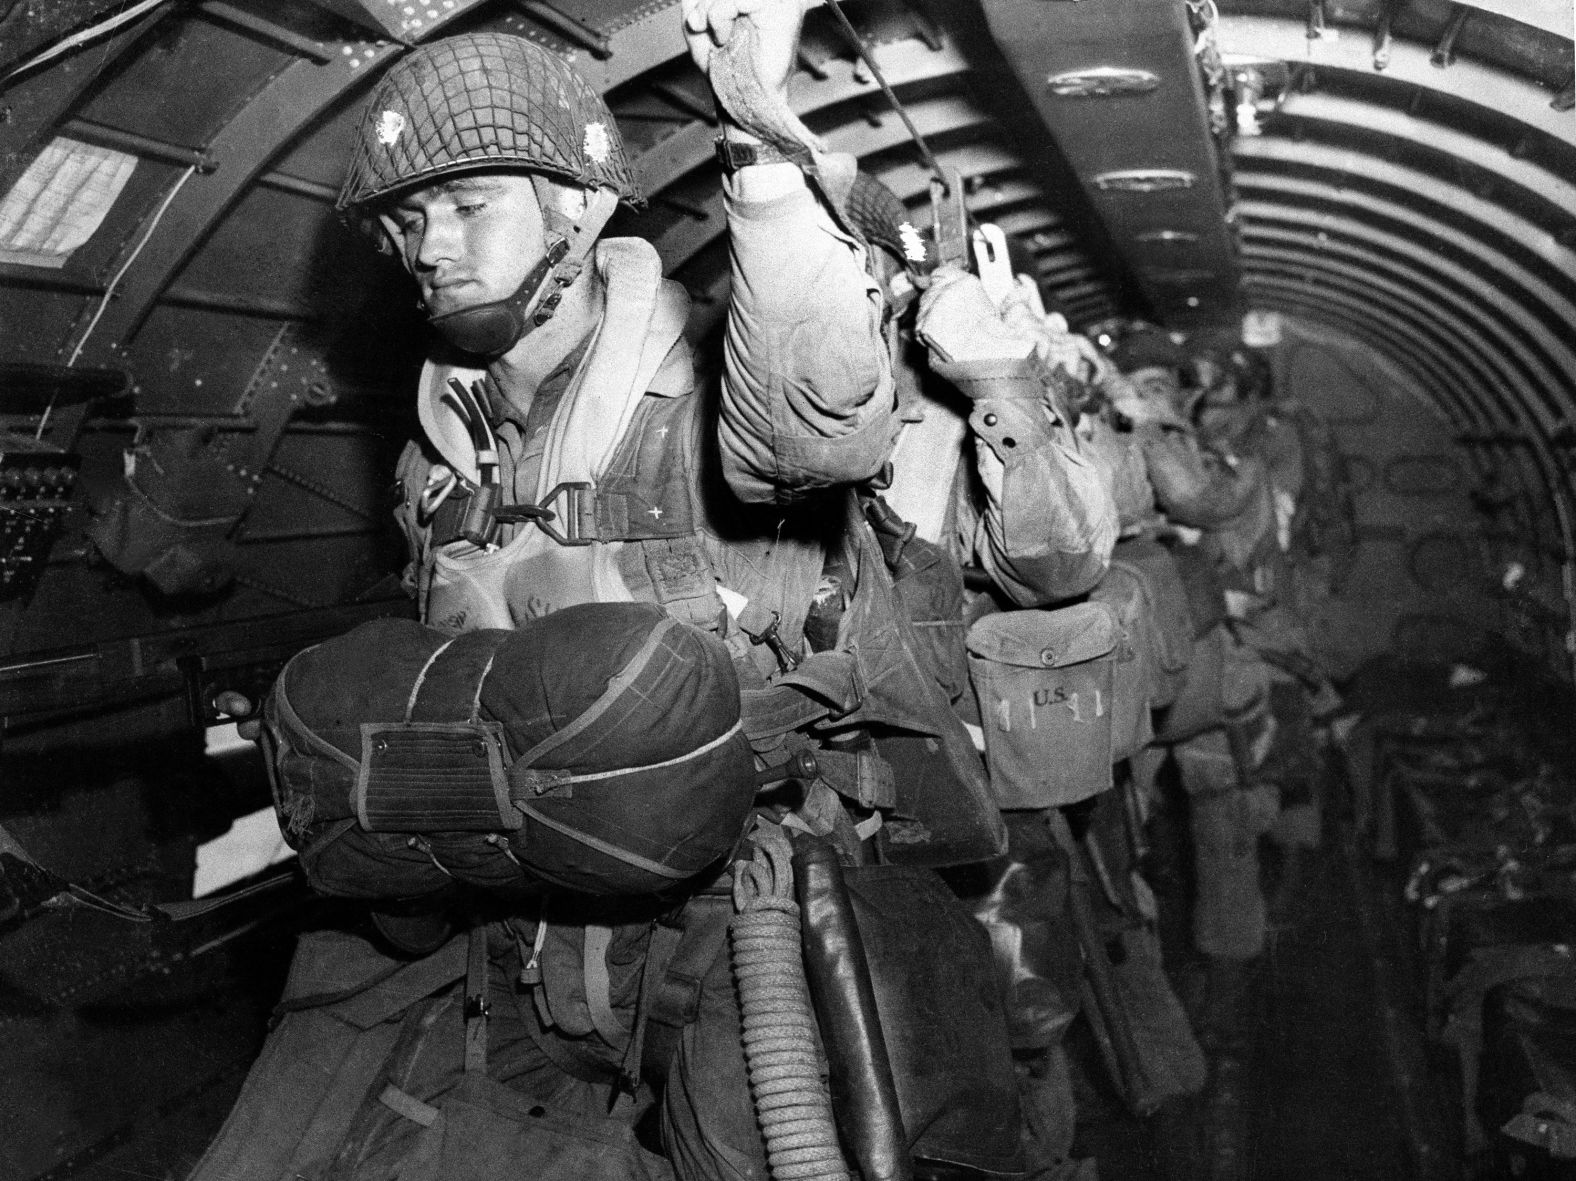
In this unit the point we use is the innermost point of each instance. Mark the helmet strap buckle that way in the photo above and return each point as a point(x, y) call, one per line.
point(491, 329)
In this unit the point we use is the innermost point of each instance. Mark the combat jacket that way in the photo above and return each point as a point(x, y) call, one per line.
point(806, 405)
point(746, 490)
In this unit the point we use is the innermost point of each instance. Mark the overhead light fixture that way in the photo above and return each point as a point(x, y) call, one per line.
point(1102, 82)
point(1249, 88)
point(1144, 180)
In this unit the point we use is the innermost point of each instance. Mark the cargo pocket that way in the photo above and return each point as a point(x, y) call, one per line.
point(482, 1130)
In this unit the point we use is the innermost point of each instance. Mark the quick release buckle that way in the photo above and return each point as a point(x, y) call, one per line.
point(577, 513)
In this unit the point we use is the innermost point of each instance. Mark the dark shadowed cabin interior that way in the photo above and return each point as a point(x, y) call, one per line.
point(207, 377)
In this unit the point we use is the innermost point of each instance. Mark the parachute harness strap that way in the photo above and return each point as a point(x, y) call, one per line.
point(781, 1050)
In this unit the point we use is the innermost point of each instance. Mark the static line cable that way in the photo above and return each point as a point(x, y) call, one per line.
point(869, 59)
point(109, 291)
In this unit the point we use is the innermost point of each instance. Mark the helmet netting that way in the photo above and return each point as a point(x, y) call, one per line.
point(479, 100)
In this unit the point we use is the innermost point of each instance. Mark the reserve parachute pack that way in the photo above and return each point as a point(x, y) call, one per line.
point(598, 749)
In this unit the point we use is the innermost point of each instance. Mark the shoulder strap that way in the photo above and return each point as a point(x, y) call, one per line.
point(645, 490)
point(476, 1003)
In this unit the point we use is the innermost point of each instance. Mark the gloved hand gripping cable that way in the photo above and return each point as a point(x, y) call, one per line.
point(792, 1103)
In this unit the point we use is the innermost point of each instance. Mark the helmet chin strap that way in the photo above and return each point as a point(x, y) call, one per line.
point(491, 329)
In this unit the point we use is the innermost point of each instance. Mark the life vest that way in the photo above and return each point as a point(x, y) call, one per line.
point(602, 472)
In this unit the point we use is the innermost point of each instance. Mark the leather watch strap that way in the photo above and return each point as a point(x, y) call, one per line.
point(733, 155)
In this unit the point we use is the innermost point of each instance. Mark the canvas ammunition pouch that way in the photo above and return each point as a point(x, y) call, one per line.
point(1165, 625)
point(1135, 671)
point(1045, 682)
point(598, 749)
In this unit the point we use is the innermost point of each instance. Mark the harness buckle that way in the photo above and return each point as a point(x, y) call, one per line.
point(578, 513)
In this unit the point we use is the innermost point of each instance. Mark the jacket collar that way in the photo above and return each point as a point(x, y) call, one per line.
point(638, 347)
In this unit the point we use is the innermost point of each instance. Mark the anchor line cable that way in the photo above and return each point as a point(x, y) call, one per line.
point(869, 59)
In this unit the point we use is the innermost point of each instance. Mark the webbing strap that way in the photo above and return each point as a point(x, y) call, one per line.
point(824, 683)
point(675, 1001)
point(300, 731)
point(591, 842)
point(599, 984)
point(659, 951)
point(616, 687)
point(456, 673)
point(421, 677)
point(405, 1104)
point(554, 781)
point(476, 1003)
point(386, 998)
point(778, 709)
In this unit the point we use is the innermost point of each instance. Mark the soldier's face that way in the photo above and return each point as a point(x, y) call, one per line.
point(1156, 382)
point(468, 240)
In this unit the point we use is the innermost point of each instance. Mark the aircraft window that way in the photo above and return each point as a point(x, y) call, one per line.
point(60, 201)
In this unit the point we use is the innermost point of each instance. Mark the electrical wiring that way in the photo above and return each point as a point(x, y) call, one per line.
point(109, 290)
point(75, 40)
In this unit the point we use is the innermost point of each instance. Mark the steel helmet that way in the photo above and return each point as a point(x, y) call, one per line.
point(483, 100)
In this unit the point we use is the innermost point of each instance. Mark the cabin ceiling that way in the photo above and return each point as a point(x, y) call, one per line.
point(1399, 170)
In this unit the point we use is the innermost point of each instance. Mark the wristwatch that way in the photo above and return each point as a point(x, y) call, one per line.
point(733, 155)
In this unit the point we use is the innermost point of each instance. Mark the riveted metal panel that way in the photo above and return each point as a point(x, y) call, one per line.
point(1144, 156)
point(284, 251)
point(193, 362)
point(196, 80)
point(274, 117)
point(36, 321)
point(1469, 81)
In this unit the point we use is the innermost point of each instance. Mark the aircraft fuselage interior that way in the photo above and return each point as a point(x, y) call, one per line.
point(916, 589)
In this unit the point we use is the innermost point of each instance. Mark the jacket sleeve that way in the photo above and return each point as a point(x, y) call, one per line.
point(1195, 486)
point(1048, 523)
point(807, 390)
point(1045, 523)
